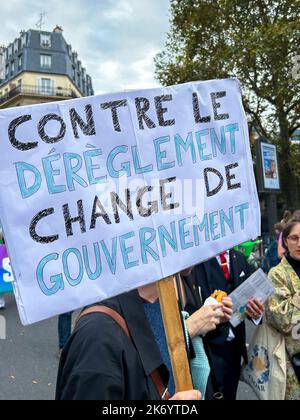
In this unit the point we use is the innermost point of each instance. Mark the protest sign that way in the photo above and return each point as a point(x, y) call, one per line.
point(101, 195)
point(6, 276)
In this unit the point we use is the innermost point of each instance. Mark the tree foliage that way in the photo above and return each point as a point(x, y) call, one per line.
point(254, 40)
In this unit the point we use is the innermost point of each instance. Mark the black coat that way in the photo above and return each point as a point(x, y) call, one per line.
point(209, 277)
point(101, 363)
point(225, 356)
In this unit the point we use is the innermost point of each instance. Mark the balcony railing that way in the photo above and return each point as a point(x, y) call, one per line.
point(37, 91)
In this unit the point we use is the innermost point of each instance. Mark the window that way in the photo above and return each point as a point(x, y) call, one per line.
point(16, 45)
point(45, 40)
point(20, 62)
point(46, 61)
point(70, 51)
point(12, 68)
point(10, 50)
point(46, 86)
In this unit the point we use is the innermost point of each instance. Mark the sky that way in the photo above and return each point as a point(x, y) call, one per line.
point(116, 39)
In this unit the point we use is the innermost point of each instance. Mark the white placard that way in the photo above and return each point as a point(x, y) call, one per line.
point(104, 194)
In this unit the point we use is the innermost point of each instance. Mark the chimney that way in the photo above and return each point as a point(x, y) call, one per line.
point(58, 29)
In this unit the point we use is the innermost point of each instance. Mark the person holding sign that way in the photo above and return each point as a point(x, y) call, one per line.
point(226, 346)
point(122, 354)
point(283, 309)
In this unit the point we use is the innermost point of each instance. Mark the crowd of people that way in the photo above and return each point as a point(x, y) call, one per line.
point(118, 349)
point(116, 365)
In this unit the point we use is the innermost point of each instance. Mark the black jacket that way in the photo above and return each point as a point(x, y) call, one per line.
point(101, 363)
point(209, 277)
point(225, 356)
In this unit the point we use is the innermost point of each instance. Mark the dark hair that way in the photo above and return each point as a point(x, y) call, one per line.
point(287, 230)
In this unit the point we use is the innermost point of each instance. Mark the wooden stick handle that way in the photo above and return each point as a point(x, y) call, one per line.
point(175, 334)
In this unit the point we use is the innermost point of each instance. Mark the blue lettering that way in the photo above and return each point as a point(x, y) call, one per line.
point(145, 248)
point(185, 145)
point(160, 155)
point(72, 169)
point(241, 209)
point(125, 167)
point(137, 162)
point(111, 258)
point(90, 168)
point(216, 143)
point(57, 281)
point(202, 145)
point(26, 191)
point(50, 173)
point(199, 227)
point(184, 234)
point(164, 236)
point(232, 128)
point(77, 280)
point(93, 275)
point(228, 220)
point(213, 226)
point(127, 250)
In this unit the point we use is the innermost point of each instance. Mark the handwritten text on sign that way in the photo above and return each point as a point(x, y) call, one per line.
point(112, 192)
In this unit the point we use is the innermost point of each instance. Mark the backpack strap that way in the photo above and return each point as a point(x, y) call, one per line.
point(107, 311)
point(155, 376)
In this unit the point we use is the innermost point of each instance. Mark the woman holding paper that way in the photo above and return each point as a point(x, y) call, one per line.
point(283, 309)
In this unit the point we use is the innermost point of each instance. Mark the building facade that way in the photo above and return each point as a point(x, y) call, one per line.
point(39, 67)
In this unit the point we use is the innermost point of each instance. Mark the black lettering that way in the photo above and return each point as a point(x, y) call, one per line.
point(95, 214)
point(142, 106)
point(32, 228)
point(161, 111)
point(164, 196)
point(114, 106)
point(69, 220)
point(221, 183)
point(12, 134)
point(117, 202)
point(196, 108)
point(42, 124)
point(152, 206)
point(230, 177)
point(216, 105)
point(88, 127)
